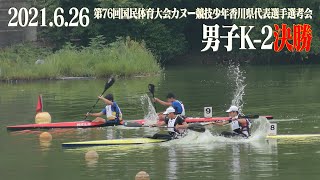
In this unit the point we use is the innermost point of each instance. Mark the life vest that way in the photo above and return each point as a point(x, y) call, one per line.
point(239, 128)
point(171, 125)
point(182, 113)
point(113, 112)
point(175, 133)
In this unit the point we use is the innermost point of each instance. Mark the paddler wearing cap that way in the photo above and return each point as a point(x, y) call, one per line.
point(240, 126)
point(172, 102)
point(175, 124)
point(111, 111)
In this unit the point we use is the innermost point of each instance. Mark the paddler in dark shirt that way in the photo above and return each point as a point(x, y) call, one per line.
point(111, 111)
point(175, 124)
point(173, 102)
point(240, 126)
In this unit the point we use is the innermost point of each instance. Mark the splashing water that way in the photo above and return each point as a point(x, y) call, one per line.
point(208, 138)
point(237, 77)
point(259, 128)
point(150, 114)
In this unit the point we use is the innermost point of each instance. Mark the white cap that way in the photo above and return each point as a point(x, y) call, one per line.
point(232, 109)
point(169, 110)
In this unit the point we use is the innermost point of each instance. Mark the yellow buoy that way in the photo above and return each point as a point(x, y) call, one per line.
point(42, 117)
point(45, 140)
point(91, 155)
point(142, 175)
point(91, 158)
point(45, 137)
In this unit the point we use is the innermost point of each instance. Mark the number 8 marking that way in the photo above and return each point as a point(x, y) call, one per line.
point(272, 127)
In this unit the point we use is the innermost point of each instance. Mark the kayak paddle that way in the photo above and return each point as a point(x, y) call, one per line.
point(107, 86)
point(197, 127)
point(132, 124)
point(193, 127)
point(151, 88)
point(250, 116)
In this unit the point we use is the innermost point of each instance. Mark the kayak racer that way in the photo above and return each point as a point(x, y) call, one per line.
point(240, 126)
point(175, 124)
point(173, 102)
point(112, 112)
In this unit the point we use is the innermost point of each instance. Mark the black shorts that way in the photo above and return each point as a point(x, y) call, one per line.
point(113, 122)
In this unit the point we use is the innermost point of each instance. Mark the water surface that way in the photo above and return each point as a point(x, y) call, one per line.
point(289, 93)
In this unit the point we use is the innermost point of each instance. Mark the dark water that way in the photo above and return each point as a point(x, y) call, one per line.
point(289, 93)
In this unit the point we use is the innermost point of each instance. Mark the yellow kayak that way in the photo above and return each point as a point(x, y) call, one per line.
point(112, 142)
point(133, 141)
point(293, 136)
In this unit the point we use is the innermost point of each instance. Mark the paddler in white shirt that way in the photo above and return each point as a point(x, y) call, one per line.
point(111, 111)
point(240, 126)
point(175, 124)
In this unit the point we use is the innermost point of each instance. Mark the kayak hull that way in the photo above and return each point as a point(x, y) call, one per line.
point(75, 124)
point(294, 136)
point(88, 124)
point(112, 142)
point(141, 122)
point(136, 141)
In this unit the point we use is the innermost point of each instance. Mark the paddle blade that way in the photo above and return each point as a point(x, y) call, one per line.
point(132, 124)
point(197, 127)
point(151, 88)
point(109, 83)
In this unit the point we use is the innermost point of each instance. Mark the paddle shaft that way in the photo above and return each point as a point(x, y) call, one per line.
point(154, 103)
point(96, 102)
point(106, 87)
point(192, 127)
point(210, 123)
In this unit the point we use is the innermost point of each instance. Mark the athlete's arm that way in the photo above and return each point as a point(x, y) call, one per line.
point(184, 125)
point(162, 123)
point(221, 123)
point(162, 102)
point(106, 101)
point(181, 124)
point(242, 121)
point(95, 114)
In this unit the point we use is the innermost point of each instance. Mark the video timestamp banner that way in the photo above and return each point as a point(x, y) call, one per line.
point(278, 36)
point(24, 17)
